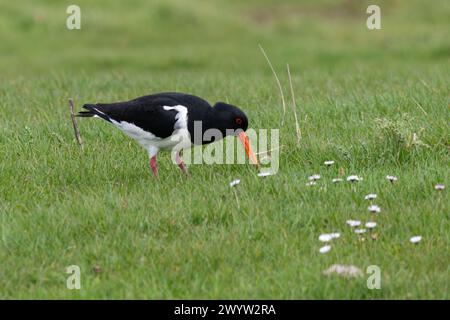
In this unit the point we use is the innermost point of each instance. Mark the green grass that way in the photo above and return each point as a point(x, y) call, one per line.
point(362, 95)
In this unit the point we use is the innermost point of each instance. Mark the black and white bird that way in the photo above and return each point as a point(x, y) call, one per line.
point(166, 121)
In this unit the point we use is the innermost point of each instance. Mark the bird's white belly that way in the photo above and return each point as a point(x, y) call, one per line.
point(180, 138)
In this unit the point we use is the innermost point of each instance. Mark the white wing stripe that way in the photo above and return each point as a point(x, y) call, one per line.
point(181, 116)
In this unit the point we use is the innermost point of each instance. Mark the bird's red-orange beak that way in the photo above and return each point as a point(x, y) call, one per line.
point(248, 149)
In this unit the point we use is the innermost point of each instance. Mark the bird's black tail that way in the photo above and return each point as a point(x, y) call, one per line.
point(93, 111)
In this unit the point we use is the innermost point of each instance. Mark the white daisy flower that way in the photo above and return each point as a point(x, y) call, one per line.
point(325, 249)
point(328, 163)
point(235, 182)
point(415, 239)
point(336, 180)
point(353, 223)
point(335, 235)
point(392, 178)
point(326, 237)
point(314, 177)
point(439, 187)
point(310, 183)
point(265, 173)
point(370, 196)
point(374, 209)
point(359, 231)
point(371, 224)
point(353, 178)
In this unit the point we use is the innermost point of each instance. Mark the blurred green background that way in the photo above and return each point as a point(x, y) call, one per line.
point(220, 36)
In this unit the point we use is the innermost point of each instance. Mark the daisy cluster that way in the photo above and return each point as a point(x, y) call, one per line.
point(358, 227)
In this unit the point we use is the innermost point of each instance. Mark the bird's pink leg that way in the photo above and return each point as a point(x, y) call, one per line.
point(154, 166)
point(181, 164)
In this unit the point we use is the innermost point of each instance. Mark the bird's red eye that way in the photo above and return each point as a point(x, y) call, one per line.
point(238, 121)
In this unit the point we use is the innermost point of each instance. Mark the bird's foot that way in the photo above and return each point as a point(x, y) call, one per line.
point(154, 166)
point(183, 168)
point(181, 164)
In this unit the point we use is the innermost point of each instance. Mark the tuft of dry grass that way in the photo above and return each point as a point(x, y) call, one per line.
point(298, 131)
point(294, 107)
point(283, 102)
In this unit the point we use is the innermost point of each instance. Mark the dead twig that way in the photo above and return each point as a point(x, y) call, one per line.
point(420, 107)
point(269, 151)
point(294, 107)
point(278, 83)
point(237, 199)
point(75, 124)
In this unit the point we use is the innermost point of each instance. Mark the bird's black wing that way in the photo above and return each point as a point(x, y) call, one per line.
point(146, 112)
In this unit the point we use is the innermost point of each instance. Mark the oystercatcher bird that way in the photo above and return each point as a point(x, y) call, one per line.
point(166, 121)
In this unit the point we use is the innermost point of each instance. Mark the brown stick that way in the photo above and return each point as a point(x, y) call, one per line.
point(75, 124)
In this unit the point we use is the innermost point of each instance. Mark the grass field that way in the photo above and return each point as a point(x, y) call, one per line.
point(376, 102)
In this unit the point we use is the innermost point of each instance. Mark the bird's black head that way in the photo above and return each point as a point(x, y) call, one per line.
point(231, 120)
point(227, 116)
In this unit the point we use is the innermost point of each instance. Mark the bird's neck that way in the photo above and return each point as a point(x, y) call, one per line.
point(215, 120)
point(213, 127)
